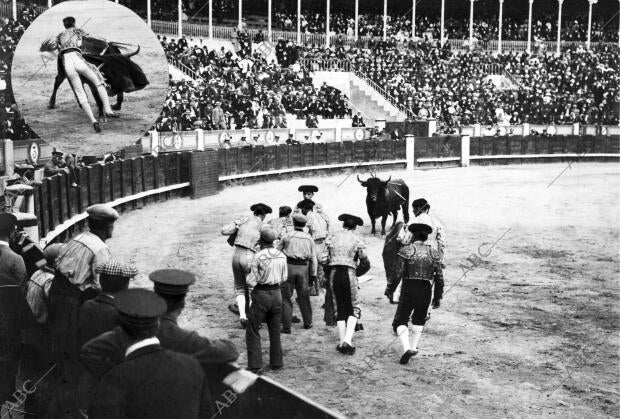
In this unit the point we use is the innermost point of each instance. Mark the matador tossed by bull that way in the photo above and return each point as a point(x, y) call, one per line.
point(100, 64)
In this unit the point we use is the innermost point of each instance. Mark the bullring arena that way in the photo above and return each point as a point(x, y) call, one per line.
point(530, 331)
point(507, 124)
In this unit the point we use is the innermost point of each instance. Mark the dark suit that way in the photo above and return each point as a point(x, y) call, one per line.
point(153, 383)
point(12, 310)
point(97, 316)
point(103, 352)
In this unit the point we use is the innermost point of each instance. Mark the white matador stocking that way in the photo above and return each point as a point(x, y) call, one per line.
point(75, 66)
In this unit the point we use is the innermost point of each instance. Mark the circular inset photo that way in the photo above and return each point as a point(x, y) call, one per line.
point(89, 77)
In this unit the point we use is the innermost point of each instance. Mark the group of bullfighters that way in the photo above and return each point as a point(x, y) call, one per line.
point(300, 251)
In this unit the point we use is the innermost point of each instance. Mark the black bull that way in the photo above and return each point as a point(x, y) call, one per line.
point(121, 74)
point(384, 198)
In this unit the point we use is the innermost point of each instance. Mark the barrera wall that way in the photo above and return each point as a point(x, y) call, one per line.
point(132, 183)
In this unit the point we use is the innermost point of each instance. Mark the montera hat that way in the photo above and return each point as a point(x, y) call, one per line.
point(7, 221)
point(172, 281)
point(139, 307)
point(265, 209)
point(351, 219)
point(308, 188)
point(307, 204)
point(421, 223)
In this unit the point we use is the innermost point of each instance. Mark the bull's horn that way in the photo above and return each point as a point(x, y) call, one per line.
point(390, 178)
point(359, 180)
point(131, 54)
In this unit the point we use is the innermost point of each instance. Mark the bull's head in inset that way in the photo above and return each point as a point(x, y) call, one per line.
point(376, 188)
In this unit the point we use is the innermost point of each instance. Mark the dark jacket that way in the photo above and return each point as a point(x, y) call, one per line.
point(153, 383)
point(97, 316)
point(107, 350)
point(13, 308)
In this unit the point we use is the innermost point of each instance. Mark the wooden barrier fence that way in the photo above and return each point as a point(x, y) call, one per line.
point(262, 161)
point(126, 184)
point(530, 145)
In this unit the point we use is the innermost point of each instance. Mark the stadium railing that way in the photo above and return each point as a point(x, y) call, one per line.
point(184, 69)
point(315, 64)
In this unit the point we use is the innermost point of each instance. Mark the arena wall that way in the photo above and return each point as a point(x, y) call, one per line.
point(132, 183)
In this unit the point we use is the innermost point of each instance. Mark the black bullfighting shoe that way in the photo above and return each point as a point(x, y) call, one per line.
point(404, 360)
point(116, 107)
point(308, 326)
point(340, 348)
point(244, 323)
point(285, 331)
point(96, 127)
point(348, 349)
point(359, 326)
point(295, 320)
point(233, 307)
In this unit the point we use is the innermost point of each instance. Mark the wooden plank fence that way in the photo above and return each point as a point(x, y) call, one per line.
point(126, 184)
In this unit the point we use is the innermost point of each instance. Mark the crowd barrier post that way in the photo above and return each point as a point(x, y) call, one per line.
point(200, 140)
point(432, 127)
point(9, 158)
point(465, 151)
point(526, 129)
point(476, 130)
point(576, 128)
point(409, 151)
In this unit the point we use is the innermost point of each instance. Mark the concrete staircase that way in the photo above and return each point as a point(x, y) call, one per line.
point(370, 102)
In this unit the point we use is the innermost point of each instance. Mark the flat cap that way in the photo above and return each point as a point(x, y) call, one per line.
point(306, 204)
point(7, 221)
point(102, 212)
point(57, 153)
point(172, 281)
point(351, 219)
point(308, 188)
point(115, 268)
point(260, 207)
point(139, 307)
point(268, 235)
point(421, 223)
point(300, 219)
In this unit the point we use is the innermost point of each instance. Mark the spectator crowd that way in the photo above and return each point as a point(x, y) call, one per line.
point(12, 124)
point(235, 91)
point(578, 86)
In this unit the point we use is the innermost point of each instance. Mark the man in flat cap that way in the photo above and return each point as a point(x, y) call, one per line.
point(343, 251)
point(99, 315)
point(245, 232)
point(75, 282)
point(318, 227)
point(418, 266)
point(37, 352)
point(152, 382)
point(301, 258)
point(13, 278)
point(268, 271)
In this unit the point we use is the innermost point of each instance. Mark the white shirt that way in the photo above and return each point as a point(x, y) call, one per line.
point(141, 344)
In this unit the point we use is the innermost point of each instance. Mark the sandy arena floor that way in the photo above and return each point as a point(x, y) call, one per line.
point(66, 126)
point(530, 330)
